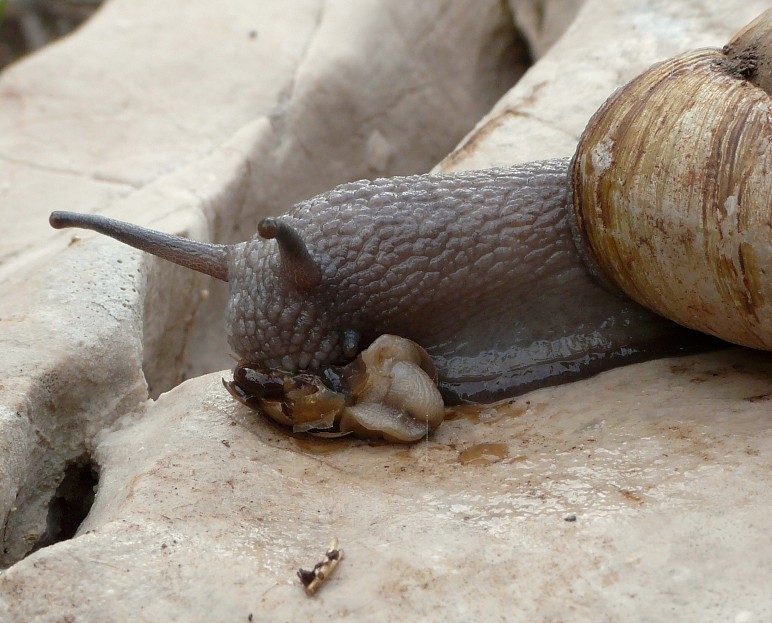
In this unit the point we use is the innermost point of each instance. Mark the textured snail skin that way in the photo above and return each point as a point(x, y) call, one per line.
point(478, 267)
point(489, 270)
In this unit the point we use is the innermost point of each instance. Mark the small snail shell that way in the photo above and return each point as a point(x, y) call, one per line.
point(398, 397)
point(389, 391)
point(672, 186)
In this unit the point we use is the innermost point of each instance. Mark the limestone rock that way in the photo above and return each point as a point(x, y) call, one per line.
point(200, 119)
point(584, 502)
point(640, 494)
point(543, 22)
point(607, 45)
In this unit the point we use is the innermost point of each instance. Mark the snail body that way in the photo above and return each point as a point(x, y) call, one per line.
point(479, 268)
point(530, 275)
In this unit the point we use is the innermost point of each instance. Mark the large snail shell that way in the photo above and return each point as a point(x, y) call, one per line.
point(673, 188)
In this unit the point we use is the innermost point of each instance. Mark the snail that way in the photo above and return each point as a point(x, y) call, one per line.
point(536, 274)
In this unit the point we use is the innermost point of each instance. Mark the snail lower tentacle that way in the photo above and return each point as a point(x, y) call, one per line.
point(297, 263)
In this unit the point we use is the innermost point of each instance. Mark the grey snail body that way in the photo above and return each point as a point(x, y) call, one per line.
point(503, 276)
point(479, 268)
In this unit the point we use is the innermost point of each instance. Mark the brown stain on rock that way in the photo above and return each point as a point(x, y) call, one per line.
point(319, 447)
point(631, 496)
point(473, 141)
point(483, 454)
point(490, 414)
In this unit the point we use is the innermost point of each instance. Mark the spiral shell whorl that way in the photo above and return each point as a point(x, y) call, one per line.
point(686, 230)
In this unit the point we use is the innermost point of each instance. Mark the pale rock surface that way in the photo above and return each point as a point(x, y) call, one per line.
point(543, 22)
point(606, 46)
point(204, 511)
point(196, 118)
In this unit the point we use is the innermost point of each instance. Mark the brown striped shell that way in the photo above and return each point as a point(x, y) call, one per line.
point(672, 188)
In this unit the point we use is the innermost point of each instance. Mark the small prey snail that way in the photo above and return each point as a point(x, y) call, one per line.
point(531, 275)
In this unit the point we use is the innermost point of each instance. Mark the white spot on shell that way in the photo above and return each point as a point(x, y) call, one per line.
point(730, 205)
point(601, 155)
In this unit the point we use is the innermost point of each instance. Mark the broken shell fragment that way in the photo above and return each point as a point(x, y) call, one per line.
point(399, 402)
point(388, 392)
point(300, 400)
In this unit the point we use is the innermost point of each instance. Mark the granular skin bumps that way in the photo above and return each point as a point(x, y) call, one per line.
point(393, 252)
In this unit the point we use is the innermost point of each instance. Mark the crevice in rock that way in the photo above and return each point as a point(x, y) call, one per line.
point(28, 26)
point(68, 507)
point(71, 501)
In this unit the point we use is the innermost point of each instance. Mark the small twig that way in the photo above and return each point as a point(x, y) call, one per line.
point(322, 570)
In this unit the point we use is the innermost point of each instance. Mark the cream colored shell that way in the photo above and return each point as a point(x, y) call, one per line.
point(672, 189)
point(397, 396)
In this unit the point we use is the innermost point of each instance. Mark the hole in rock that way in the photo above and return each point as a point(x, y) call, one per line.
point(71, 502)
point(27, 26)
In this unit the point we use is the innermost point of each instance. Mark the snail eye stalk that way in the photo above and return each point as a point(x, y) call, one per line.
point(296, 261)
